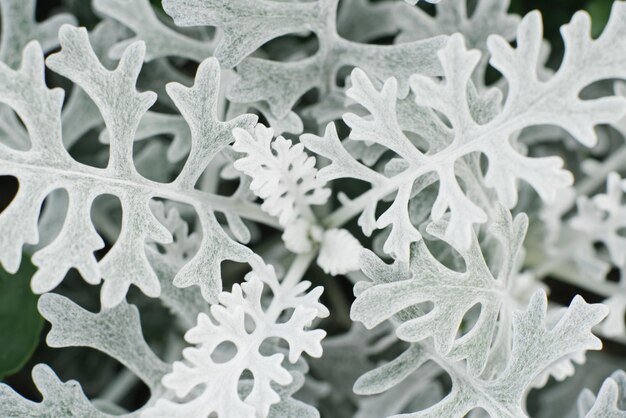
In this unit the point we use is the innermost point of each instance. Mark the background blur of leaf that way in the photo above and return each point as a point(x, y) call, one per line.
point(557, 12)
point(20, 322)
point(599, 10)
point(157, 4)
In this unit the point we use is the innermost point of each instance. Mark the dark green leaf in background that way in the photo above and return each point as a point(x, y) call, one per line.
point(599, 11)
point(20, 322)
point(157, 4)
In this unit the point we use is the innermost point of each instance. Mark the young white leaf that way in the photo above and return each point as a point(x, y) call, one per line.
point(283, 175)
point(228, 324)
point(339, 252)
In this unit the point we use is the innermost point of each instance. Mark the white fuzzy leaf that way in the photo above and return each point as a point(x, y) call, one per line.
point(452, 293)
point(227, 323)
point(610, 402)
point(283, 175)
point(47, 166)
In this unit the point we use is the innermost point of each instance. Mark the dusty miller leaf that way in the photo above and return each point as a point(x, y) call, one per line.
point(47, 166)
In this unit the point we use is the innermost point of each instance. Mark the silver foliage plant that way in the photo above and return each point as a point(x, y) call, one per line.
point(186, 136)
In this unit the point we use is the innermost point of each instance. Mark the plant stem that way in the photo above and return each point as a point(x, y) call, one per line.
point(119, 386)
point(298, 267)
point(550, 267)
point(614, 162)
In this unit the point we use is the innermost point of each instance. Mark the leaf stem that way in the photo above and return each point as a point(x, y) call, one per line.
point(298, 267)
point(119, 386)
point(87, 175)
point(550, 267)
point(614, 162)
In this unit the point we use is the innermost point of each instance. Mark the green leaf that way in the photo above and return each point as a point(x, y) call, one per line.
point(20, 322)
point(157, 4)
point(599, 11)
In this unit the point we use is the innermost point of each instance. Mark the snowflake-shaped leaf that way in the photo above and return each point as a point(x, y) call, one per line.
point(283, 175)
point(227, 323)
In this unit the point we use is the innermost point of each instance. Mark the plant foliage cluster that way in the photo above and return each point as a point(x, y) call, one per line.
point(295, 208)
